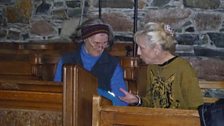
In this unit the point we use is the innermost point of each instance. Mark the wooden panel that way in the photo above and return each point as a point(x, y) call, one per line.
point(149, 117)
point(31, 105)
point(211, 84)
point(129, 64)
point(121, 49)
point(30, 102)
point(15, 67)
point(37, 45)
point(31, 85)
point(105, 115)
point(29, 94)
point(79, 87)
point(18, 117)
point(129, 61)
point(45, 65)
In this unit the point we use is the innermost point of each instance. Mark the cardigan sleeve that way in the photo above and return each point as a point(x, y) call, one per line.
point(58, 73)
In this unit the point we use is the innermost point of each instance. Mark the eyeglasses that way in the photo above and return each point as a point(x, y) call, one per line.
point(99, 45)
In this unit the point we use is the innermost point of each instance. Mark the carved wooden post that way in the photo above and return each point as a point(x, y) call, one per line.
point(79, 88)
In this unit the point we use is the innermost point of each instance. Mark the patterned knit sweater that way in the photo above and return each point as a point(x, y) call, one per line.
point(172, 85)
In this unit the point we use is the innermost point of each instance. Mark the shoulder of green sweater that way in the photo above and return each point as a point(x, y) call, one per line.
point(181, 62)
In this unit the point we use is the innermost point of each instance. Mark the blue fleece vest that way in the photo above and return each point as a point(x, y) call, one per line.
point(103, 69)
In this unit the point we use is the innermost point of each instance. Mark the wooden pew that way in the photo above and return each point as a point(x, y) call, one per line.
point(107, 115)
point(141, 116)
point(79, 88)
point(47, 103)
point(30, 102)
point(36, 61)
point(29, 65)
point(16, 66)
point(31, 94)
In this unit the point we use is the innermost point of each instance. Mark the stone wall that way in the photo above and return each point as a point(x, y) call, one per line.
point(38, 20)
point(199, 24)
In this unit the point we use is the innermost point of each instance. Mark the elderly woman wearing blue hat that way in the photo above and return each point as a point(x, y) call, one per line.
point(96, 36)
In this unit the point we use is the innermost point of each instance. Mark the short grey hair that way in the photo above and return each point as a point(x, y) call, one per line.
point(158, 33)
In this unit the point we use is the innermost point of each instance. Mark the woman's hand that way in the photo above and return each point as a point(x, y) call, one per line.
point(129, 97)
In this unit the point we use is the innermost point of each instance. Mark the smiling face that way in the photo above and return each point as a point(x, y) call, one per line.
point(96, 44)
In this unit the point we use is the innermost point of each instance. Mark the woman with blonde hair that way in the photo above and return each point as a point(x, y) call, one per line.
point(171, 80)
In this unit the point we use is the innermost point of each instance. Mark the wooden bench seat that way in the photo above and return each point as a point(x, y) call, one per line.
point(108, 115)
point(47, 103)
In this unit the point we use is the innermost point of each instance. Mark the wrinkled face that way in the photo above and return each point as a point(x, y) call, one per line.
point(146, 52)
point(96, 44)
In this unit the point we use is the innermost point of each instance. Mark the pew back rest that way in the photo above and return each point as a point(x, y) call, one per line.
point(16, 65)
point(29, 64)
point(31, 60)
point(107, 115)
point(15, 68)
point(79, 87)
point(30, 95)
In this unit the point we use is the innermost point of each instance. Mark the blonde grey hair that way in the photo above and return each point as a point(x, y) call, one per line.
point(158, 33)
